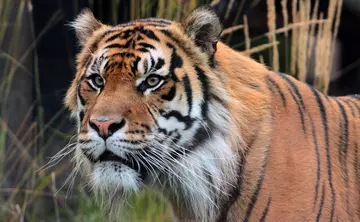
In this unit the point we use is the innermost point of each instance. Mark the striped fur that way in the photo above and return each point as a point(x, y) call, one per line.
point(221, 136)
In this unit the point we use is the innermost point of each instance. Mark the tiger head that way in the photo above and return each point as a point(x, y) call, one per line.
point(145, 101)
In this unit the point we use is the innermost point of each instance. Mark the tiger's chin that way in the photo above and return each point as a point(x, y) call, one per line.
point(111, 173)
point(115, 177)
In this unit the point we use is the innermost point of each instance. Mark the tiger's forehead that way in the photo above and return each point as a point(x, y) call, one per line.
point(135, 50)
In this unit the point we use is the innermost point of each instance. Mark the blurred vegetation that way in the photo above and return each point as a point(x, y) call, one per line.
point(301, 46)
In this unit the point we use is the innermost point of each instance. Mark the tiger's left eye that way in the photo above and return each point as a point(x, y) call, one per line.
point(152, 80)
point(98, 81)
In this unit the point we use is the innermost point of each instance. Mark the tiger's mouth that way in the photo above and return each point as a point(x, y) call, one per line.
point(110, 156)
point(137, 166)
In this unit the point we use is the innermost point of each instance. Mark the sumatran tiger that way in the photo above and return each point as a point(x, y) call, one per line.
point(167, 106)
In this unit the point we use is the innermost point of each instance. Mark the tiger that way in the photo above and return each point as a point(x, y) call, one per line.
point(167, 106)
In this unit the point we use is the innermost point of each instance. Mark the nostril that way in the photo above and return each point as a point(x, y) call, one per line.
point(116, 126)
point(94, 126)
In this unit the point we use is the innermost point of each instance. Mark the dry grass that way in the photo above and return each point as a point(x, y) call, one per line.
point(307, 37)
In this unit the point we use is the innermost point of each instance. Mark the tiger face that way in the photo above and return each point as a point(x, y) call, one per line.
point(141, 97)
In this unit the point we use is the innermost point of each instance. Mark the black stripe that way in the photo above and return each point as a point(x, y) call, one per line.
point(124, 34)
point(321, 204)
point(218, 99)
point(146, 45)
point(343, 141)
point(142, 50)
point(170, 35)
point(255, 195)
point(123, 54)
point(114, 37)
point(187, 120)
point(82, 100)
point(107, 65)
point(294, 87)
point(119, 46)
point(152, 61)
point(205, 90)
point(179, 43)
point(160, 63)
point(88, 62)
point(81, 115)
point(202, 134)
point(121, 34)
point(184, 46)
point(135, 132)
point(93, 88)
point(343, 148)
point(317, 160)
point(136, 63)
point(89, 155)
point(155, 121)
point(266, 210)
point(176, 62)
point(269, 81)
point(149, 34)
point(109, 32)
point(235, 191)
point(349, 103)
point(301, 113)
point(357, 106)
point(171, 94)
point(188, 92)
point(146, 127)
point(327, 147)
point(298, 99)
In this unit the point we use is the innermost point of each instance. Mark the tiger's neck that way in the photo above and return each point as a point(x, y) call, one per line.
point(217, 168)
point(248, 100)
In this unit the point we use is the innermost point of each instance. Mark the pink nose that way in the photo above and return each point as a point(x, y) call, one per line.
point(106, 126)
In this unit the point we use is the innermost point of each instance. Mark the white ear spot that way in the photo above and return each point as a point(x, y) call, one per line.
point(85, 25)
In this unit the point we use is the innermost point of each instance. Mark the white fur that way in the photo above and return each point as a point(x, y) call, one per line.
point(190, 183)
point(105, 177)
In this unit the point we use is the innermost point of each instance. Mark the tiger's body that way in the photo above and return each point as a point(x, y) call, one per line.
point(166, 105)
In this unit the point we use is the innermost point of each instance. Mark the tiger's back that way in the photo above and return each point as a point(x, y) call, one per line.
point(310, 164)
point(316, 157)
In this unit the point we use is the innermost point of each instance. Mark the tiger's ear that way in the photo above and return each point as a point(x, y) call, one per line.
point(85, 25)
point(203, 26)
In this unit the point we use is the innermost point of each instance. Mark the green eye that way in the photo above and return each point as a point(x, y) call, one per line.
point(98, 81)
point(152, 80)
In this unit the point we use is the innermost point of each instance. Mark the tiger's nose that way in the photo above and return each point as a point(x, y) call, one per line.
point(106, 126)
